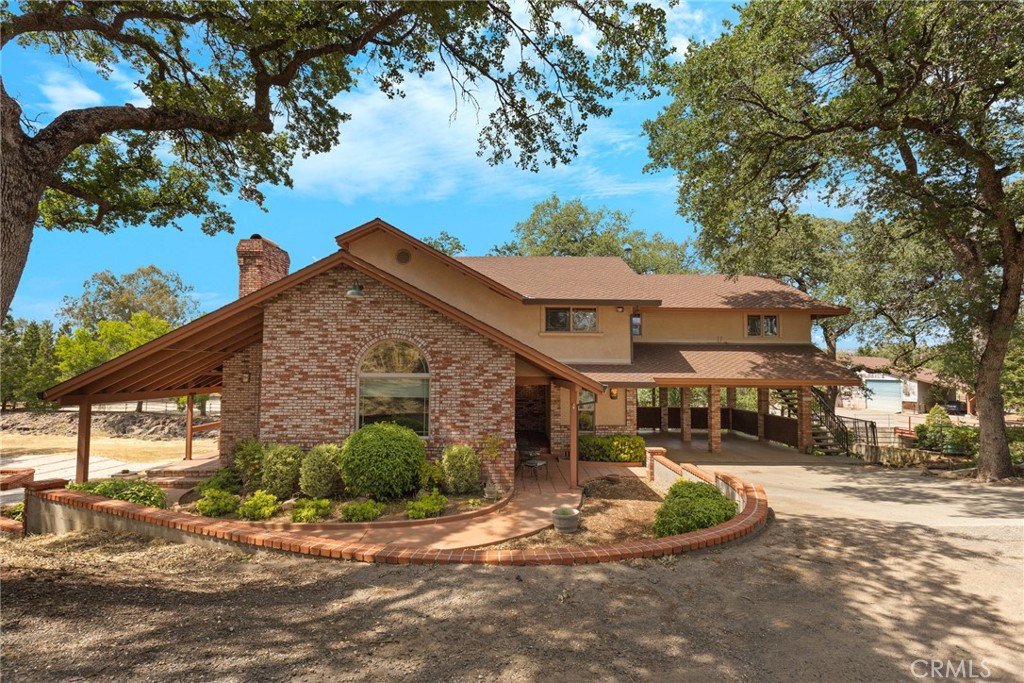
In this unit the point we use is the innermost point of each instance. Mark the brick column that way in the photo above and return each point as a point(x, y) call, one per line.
point(805, 435)
point(685, 431)
point(663, 405)
point(762, 411)
point(714, 420)
point(730, 403)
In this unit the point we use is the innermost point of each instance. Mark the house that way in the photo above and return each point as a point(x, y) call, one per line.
point(890, 389)
point(469, 349)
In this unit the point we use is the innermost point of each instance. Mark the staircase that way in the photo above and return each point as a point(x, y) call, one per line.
point(184, 474)
point(830, 435)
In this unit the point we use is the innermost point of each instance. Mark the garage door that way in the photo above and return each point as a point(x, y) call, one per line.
point(885, 394)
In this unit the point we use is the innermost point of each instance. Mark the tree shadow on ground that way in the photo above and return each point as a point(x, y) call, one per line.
point(808, 599)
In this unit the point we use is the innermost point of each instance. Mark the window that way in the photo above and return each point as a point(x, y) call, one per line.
point(762, 325)
point(636, 323)
point(585, 409)
point(570, 320)
point(394, 386)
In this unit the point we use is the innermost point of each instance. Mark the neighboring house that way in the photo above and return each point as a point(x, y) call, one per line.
point(886, 388)
point(529, 350)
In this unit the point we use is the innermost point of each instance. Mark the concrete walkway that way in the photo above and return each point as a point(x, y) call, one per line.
point(63, 465)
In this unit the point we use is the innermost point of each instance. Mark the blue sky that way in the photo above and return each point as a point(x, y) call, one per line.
point(403, 160)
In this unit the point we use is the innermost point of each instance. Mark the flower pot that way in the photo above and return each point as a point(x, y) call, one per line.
point(567, 520)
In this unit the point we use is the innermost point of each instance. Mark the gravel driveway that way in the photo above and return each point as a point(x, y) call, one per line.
point(862, 573)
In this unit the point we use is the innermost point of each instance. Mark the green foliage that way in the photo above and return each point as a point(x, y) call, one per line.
point(163, 295)
point(1012, 381)
point(217, 503)
point(431, 475)
point(382, 460)
point(461, 467)
point(557, 228)
point(490, 446)
point(28, 362)
point(15, 511)
point(362, 512)
point(131, 490)
point(226, 480)
point(281, 465)
point(426, 505)
point(85, 349)
point(247, 460)
point(311, 509)
point(689, 506)
point(612, 448)
point(446, 243)
point(259, 506)
point(319, 476)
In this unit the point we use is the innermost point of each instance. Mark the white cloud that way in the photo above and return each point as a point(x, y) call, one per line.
point(64, 92)
point(125, 81)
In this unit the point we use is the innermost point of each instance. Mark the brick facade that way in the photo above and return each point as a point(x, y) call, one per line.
point(559, 433)
point(260, 262)
point(240, 401)
point(313, 341)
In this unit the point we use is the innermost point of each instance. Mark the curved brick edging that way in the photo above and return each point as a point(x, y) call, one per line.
point(752, 516)
point(15, 477)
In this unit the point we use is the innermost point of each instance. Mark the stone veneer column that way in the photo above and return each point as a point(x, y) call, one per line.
point(685, 431)
point(663, 405)
point(714, 420)
point(762, 411)
point(805, 434)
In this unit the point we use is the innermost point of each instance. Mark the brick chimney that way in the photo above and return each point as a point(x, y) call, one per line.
point(260, 262)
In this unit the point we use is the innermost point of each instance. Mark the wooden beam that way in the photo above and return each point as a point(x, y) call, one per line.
point(205, 427)
point(84, 441)
point(76, 399)
point(189, 406)
point(574, 462)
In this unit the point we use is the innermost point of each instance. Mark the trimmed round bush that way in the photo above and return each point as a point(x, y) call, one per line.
point(311, 509)
point(426, 505)
point(431, 476)
point(217, 503)
point(690, 506)
point(319, 475)
point(247, 459)
point(461, 468)
point(362, 512)
point(131, 490)
point(259, 506)
point(281, 465)
point(612, 448)
point(382, 461)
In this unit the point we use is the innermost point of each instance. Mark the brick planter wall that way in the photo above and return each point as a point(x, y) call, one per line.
point(313, 341)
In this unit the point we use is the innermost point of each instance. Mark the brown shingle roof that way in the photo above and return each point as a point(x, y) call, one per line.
point(884, 365)
point(740, 292)
point(724, 364)
point(565, 278)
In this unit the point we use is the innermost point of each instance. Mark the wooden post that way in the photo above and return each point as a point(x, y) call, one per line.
point(574, 406)
point(84, 441)
point(714, 420)
point(189, 405)
point(685, 432)
point(762, 412)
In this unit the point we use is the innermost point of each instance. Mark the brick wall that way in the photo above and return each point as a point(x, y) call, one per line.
point(559, 434)
point(314, 338)
point(240, 400)
point(260, 262)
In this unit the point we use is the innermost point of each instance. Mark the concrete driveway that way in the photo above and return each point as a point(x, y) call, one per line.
point(63, 465)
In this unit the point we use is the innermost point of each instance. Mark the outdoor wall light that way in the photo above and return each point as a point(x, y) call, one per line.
point(619, 309)
point(614, 393)
point(356, 292)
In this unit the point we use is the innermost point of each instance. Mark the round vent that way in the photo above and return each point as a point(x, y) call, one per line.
point(403, 256)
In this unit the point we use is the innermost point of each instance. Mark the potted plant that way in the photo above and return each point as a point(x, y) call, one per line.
point(567, 520)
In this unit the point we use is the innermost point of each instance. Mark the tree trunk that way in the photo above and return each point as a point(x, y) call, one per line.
point(993, 446)
point(138, 407)
point(19, 197)
point(831, 349)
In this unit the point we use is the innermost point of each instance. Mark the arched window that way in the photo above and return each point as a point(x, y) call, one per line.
point(394, 386)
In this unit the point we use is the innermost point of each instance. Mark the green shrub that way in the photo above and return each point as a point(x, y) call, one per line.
point(461, 468)
point(1017, 452)
point(362, 512)
point(281, 465)
point(431, 476)
point(963, 439)
point(247, 460)
point(15, 511)
point(226, 479)
point(311, 509)
point(383, 461)
point(260, 505)
point(318, 475)
point(427, 505)
point(131, 490)
point(612, 448)
point(690, 506)
point(217, 503)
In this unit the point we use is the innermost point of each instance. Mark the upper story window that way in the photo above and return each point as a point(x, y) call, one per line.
point(570, 319)
point(394, 386)
point(762, 326)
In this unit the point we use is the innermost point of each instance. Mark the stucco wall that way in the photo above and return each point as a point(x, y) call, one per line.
point(719, 326)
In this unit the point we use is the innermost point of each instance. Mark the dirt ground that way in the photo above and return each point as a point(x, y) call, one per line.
point(121, 448)
point(143, 426)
